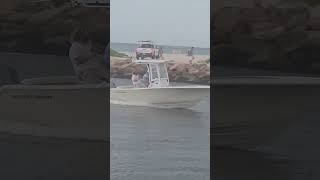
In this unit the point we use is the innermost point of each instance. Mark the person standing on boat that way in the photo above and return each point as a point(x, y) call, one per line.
point(146, 79)
point(87, 66)
point(136, 81)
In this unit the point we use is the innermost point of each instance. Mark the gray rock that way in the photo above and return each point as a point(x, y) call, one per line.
point(46, 15)
point(261, 33)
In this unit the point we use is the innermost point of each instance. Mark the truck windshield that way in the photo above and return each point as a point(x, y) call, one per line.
point(146, 46)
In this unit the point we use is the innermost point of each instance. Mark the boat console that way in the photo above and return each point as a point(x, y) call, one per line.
point(158, 73)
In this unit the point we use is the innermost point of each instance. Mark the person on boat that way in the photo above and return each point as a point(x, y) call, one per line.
point(135, 78)
point(136, 81)
point(87, 66)
point(145, 79)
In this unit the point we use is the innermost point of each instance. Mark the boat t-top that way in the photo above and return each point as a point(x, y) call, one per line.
point(159, 92)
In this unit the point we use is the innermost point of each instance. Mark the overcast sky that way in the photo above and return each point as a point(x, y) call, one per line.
point(168, 22)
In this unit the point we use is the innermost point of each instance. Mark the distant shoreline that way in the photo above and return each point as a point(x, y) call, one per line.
point(130, 47)
point(178, 53)
point(163, 45)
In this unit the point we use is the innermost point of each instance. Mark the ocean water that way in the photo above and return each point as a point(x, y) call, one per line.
point(151, 143)
point(293, 155)
point(127, 47)
point(33, 157)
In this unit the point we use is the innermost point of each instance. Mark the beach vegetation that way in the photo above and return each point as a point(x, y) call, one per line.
point(115, 53)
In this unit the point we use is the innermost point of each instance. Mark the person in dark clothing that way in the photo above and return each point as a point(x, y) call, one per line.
point(190, 53)
point(161, 52)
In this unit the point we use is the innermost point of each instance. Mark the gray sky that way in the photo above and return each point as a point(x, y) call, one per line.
point(168, 22)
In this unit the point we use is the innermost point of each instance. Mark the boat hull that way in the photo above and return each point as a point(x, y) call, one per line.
point(65, 111)
point(164, 97)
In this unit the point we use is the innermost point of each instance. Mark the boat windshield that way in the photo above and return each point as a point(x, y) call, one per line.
point(163, 71)
point(158, 75)
point(154, 72)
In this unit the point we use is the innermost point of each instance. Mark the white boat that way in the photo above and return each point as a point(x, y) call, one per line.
point(55, 106)
point(159, 93)
point(59, 107)
point(251, 111)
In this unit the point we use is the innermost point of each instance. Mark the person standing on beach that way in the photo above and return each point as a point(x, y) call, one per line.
point(161, 53)
point(88, 67)
point(190, 53)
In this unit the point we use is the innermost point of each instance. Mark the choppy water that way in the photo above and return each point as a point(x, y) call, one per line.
point(151, 143)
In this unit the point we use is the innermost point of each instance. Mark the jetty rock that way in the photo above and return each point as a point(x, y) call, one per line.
point(270, 34)
point(44, 27)
point(178, 72)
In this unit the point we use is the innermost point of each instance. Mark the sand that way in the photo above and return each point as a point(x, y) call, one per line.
point(180, 58)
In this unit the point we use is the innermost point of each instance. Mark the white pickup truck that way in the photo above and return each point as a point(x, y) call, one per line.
point(147, 49)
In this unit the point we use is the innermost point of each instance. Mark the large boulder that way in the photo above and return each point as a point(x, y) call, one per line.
point(264, 33)
point(45, 26)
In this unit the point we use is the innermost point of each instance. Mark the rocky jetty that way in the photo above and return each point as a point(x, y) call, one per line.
point(44, 26)
point(178, 72)
point(275, 34)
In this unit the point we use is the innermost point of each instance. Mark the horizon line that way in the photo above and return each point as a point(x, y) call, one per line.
point(164, 45)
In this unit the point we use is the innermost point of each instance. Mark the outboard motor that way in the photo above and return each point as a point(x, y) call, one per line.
point(8, 75)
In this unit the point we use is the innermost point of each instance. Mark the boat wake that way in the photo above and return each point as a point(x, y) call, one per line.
point(167, 105)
